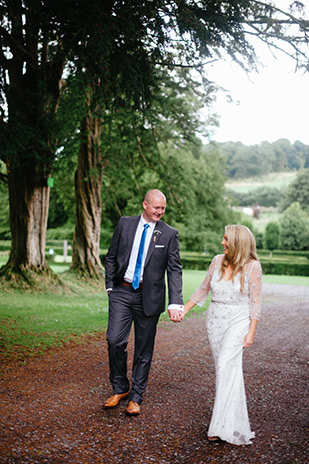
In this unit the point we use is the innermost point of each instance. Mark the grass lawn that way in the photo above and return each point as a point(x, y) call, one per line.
point(31, 322)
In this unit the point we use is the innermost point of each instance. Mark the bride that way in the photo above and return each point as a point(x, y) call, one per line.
point(234, 280)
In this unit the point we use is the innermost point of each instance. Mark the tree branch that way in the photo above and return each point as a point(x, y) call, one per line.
point(188, 66)
point(266, 39)
point(294, 20)
point(16, 46)
point(4, 62)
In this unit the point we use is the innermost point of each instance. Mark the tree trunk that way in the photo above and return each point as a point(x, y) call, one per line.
point(29, 201)
point(29, 148)
point(88, 184)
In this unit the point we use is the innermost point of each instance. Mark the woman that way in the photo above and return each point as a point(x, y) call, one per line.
point(235, 281)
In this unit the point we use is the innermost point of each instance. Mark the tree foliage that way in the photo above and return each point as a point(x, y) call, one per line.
point(272, 236)
point(298, 191)
point(159, 149)
point(295, 228)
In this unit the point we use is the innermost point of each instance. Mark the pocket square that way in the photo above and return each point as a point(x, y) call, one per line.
point(159, 246)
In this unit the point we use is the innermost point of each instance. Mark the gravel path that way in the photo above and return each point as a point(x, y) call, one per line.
point(52, 405)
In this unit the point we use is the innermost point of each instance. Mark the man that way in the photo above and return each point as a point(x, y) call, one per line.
point(141, 250)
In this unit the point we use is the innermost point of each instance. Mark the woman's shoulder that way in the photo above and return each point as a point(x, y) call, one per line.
point(217, 260)
point(253, 264)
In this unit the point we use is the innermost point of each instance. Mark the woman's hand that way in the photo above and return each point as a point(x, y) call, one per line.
point(249, 338)
point(248, 341)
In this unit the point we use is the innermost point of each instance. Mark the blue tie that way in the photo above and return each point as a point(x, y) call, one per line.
point(139, 260)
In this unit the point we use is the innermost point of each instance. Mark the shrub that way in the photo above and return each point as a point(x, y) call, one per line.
point(272, 236)
point(295, 228)
point(285, 268)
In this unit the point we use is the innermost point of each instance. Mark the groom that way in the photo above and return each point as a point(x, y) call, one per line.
point(141, 250)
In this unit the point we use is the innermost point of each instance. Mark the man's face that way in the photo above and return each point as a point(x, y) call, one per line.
point(154, 208)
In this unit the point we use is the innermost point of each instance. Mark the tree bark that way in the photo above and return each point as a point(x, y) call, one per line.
point(29, 201)
point(88, 185)
point(32, 104)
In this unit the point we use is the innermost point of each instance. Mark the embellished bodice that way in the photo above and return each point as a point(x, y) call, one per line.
point(229, 292)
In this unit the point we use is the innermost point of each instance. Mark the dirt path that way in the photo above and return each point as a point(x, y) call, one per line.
point(51, 407)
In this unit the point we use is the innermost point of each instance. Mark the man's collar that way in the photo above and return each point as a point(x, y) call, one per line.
point(152, 224)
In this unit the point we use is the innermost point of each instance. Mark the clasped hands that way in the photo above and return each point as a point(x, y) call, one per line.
point(176, 315)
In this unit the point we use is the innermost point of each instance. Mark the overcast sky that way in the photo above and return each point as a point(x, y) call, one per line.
point(270, 104)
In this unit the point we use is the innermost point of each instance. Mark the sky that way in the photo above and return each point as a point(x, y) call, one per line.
point(268, 105)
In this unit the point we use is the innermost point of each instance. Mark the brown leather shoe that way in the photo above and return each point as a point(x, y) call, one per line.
point(134, 409)
point(114, 400)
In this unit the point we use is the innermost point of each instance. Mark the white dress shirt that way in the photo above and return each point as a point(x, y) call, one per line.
point(128, 277)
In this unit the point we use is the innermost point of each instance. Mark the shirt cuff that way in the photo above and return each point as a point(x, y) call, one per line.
point(177, 307)
point(108, 290)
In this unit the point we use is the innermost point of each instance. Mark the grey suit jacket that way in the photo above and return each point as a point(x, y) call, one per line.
point(163, 255)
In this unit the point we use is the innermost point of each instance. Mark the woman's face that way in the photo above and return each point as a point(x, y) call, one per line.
point(225, 244)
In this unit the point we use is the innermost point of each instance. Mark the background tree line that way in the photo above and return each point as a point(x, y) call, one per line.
point(259, 160)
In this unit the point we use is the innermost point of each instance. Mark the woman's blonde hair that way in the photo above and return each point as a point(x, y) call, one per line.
point(241, 248)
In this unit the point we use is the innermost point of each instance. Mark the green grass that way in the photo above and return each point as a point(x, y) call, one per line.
point(36, 321)
point(285, 280)
point(32, 322)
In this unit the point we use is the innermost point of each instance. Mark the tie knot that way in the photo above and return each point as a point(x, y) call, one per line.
point(146, 226)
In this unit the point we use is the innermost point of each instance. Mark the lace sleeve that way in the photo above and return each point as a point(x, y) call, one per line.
point(255, 289)
point(201, 293)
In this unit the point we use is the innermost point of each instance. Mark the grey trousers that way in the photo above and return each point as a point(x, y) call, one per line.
point(125, 307)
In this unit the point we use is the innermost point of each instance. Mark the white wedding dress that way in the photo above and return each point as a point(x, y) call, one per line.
point(228, 320)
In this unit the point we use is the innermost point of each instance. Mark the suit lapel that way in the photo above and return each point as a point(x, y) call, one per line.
point(154, 240)
point(131, 230)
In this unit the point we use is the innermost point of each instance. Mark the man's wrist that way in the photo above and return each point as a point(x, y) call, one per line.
point(176, 307)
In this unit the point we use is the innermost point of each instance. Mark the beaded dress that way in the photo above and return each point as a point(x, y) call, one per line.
point(228, 320)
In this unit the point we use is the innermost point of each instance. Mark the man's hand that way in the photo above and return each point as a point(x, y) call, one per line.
point(175, 315)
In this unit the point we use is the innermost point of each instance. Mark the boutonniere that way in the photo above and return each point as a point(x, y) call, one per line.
point(155, 235)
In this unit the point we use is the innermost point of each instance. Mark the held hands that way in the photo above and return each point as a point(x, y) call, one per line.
point(178, 316)
point(175, 315)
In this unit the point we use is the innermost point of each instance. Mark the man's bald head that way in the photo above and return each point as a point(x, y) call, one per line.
point(154, 193)
point(154, 205)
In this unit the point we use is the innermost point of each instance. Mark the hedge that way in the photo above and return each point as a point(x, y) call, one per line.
point(268, 266)
point(196, 263)
point(303, 253)
point(285, 268)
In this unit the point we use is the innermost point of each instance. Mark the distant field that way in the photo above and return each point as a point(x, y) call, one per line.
point(264, 219)
point(266, 216)
point(278, 180)
point(274, 180)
